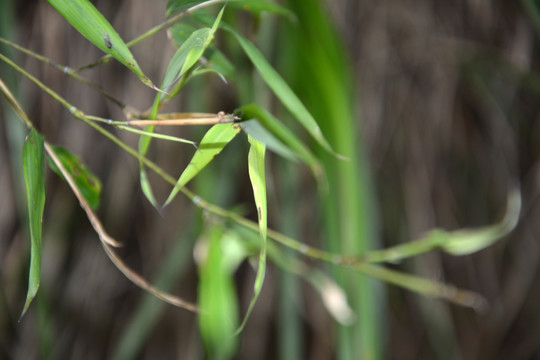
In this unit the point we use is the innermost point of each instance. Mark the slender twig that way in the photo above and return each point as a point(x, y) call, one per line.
point(181, 122)
point(66, 70)
point(411, 282)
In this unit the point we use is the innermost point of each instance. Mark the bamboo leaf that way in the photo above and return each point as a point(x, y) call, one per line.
point(254, 129)
point(284, 135)
point(258, 182)
point(282, 90)
point(190, 52)
point(217, 298)
point(34, 179)
point(217, 61)
point(87, 20)
point(468, 241)
point(88, 183)
point(185, 57)
point(144, 144)
point(458, 242)
point(210, 146)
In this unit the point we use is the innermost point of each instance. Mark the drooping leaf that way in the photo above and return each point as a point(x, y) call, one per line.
point(257, 131)
point(210, 146)
point(468, 241)
point(258, 182)
point(217, 298)
point(88, 184)
point(87, 20)
point(458, 242)
point(33, 159)
point(283, 134)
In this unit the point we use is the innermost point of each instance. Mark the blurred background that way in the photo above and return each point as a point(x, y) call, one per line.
point(435, 103)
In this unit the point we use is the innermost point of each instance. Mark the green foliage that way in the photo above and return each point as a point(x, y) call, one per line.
point(34, 179)
point(323, 93)
point(258, 183)
point(211, 145)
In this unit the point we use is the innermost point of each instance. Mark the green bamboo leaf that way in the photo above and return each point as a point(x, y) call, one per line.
point(184, 58)
point(258, 182)
point(189, 53)
point(87, 20)
point(34, 178)
point(217, 61)
point(210, 146)
point(88, 184)
point(255, 129)
point(283, 134)
point(282, 90)
point(217, 297)
point(209, 70)
point(468, 241)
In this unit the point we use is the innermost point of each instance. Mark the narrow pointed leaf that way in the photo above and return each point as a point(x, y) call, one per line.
point(257, 131)
point(87, 20)
point(210, 146)
point(144, 143)
point(258, 183)
point(468, 241)
point(189, 52)
point(283, 134)
point(34, 179)
point(282, 90)
point(185, 57)
point(88, 183)
point(217, 61)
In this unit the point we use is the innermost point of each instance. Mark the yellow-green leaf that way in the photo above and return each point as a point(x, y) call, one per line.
point(468, 241)
point(87, 20)
point(34, 179)
point(282, 90)
point(282, 133)
point(210, 146)
point(258, 183)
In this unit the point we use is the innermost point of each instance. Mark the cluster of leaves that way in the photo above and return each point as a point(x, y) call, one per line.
point(226, 246)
